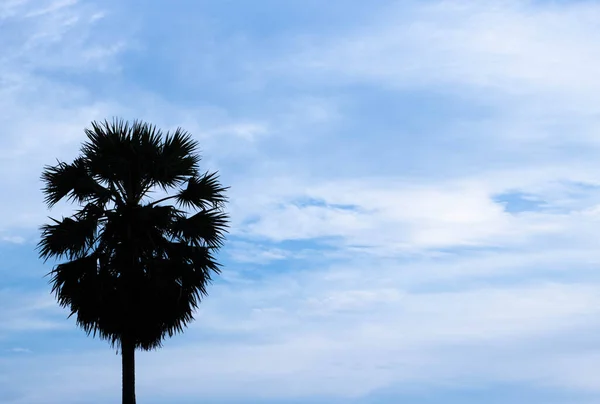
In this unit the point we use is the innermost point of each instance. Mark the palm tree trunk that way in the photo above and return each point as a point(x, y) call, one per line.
point(128, 362)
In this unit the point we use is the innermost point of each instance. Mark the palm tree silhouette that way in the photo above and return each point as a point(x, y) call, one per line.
point(133, 269)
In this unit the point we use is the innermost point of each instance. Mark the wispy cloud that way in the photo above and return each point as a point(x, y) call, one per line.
point(23, 311)
point(20, 350)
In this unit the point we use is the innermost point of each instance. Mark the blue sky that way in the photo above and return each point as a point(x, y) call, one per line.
point(415, 195)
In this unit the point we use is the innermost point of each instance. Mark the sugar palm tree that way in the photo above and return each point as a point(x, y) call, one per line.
point(132, 269)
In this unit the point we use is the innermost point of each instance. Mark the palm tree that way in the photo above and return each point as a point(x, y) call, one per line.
point(133, 270)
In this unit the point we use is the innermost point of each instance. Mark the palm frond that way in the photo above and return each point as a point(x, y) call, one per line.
point(105, 148)
point(203, 192)
point(70, 238)
point(72, 181)
point(74, 284)
point(207, 227)
point(111, 156)
point(176, 161)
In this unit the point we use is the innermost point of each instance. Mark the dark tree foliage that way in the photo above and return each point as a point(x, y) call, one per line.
point(133, 270)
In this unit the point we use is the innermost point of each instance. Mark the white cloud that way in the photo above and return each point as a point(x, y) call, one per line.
point(398, 217)
point(13, 239)
point(248, 131)
point(344, 344)
point(529, 66)
point(23, 311)
point(507, 46)
point(20, 350)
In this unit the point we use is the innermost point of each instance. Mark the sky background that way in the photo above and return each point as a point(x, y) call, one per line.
point(415, 196)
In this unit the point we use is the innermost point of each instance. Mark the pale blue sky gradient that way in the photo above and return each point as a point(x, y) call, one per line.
point(415, 196)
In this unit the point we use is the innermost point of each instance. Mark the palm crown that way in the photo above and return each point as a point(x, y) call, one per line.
point(133, 270)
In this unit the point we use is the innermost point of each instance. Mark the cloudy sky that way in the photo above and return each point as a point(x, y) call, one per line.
point(415, 195)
